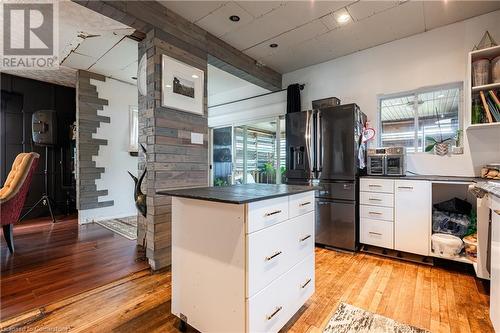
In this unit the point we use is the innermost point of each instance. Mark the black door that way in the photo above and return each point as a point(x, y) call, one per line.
point(299, 150)
point(337, 143)
point(336, 224)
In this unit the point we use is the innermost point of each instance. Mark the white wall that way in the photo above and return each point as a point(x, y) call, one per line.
point(435, 57)
point(114, 157)
point(249, 110)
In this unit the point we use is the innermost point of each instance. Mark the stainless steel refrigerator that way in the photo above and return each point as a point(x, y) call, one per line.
point(323, 147)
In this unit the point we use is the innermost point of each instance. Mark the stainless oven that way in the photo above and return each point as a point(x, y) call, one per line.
point(389, 161)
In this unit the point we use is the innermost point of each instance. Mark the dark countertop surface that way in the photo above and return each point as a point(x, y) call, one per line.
point(238, 194)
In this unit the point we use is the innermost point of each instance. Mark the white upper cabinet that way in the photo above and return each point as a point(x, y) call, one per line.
point(412, 216)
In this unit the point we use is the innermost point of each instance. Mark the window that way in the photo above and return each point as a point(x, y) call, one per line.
point(412, 119)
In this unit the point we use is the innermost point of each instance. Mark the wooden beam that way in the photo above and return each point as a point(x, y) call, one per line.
point(146, 15)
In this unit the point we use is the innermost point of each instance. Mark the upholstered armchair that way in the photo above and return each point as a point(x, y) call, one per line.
point(14, 191)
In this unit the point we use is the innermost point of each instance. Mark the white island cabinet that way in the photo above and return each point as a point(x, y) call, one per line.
point(242, 256)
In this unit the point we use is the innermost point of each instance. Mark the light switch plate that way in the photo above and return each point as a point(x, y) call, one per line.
point(196, 138)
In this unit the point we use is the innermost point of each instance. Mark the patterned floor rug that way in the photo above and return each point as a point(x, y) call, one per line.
point(125, 226)
point(350, 319)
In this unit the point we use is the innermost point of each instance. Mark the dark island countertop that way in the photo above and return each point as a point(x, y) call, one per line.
point(238, 194)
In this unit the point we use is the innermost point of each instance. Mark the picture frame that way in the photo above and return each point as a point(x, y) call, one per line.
point(183, 86)
point(133, 141)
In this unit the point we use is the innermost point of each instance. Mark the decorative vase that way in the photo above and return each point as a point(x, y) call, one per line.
point(441, 149)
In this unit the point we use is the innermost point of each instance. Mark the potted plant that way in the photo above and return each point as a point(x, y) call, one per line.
point(440, 146)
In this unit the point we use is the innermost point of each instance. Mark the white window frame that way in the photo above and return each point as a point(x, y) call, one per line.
point(416, 92)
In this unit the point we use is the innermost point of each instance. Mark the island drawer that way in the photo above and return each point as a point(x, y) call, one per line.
point(376, 199)
point(378, 233)
point(271, 308)
point(376, 212)
point(276, 249)
point(301, 203)
point(377, 185)
point(265, 213)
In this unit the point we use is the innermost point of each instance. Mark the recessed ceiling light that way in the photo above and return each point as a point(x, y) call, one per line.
point(194, 76)
point(273, 45)
point(342, 16)
point(234, 18)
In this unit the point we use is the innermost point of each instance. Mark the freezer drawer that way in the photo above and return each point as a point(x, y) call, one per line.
point(337, 190)
point(336, 224)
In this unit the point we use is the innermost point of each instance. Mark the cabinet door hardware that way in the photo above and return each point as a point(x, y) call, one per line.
point(374, 233)
point(278, 309)
point(305, 238)
point(374, 199)
point(406, 187)
point(305, 203)
point(273, 213)
point(375, 213)
point(273, 256)
point(374, 185)
point(305, 284)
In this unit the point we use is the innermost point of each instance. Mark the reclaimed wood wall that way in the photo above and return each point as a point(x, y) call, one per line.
point(88, 121)
point(172, 160)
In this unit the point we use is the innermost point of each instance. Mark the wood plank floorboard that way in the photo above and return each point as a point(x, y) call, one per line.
point(53, 261)
point(440, 299)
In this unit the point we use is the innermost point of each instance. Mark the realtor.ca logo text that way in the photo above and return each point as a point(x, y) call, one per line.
point(30, 34)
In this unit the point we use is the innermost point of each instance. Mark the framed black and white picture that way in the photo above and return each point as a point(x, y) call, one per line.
point(182, 86)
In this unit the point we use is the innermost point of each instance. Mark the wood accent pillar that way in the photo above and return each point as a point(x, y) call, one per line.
point(172, 161)
point(88, 104)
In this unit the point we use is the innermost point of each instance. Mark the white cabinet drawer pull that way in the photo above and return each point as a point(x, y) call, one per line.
point(305, 284)
point(375, 213)
point(374, 233)
point(374, 199)
point(406, 187)
point(305, 238)
point(278, 309)
point(374, 185)
point(305, 204)
point(273, 256)
point(273, 213)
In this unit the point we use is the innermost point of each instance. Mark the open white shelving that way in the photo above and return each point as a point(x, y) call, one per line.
point(488, 53)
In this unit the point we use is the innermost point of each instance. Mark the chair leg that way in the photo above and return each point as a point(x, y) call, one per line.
point(8, 234)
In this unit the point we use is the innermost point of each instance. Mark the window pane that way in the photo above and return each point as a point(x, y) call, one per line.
point(398, 122)
point(437, 115)
point(222, 156)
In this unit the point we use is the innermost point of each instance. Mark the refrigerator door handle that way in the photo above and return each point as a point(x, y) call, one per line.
point(309, 140)
point(319, 144)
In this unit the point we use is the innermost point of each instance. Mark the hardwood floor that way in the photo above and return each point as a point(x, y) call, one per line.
point(55, 261)
point(434, 298)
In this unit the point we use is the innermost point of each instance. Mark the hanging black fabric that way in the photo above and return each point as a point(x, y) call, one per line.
point(293, 98)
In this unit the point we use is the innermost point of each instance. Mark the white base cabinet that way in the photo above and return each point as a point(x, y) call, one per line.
point(495, 264)
point(413, 216)
point(242, 268)
point(396, 214)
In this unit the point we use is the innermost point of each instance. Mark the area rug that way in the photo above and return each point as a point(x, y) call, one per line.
point(125, 226)
point(350, 319)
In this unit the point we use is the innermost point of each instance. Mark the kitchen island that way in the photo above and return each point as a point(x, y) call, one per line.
point(242, 256)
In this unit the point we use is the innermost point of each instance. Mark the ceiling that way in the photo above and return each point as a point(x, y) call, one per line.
point(89, 41)
point(306, 31)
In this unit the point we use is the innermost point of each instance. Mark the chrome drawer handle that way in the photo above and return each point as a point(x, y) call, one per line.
point(374, 185)
point(374, 233)
point(305, 204)
point(374, 199)
point(305, 284)
point(497, 211)
point(273, 213)
point(273, 256)
point(274, 313)
point(305, 238)
point(375, 213)
point(406, 187)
